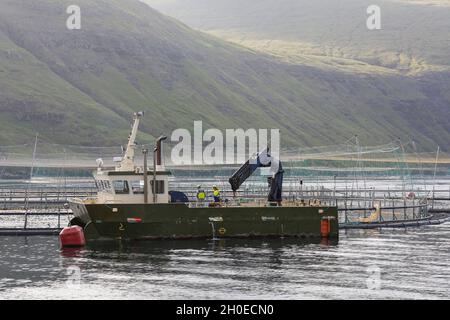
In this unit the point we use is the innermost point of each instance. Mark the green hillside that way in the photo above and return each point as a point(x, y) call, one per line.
point(80, 86)
point(414, 36)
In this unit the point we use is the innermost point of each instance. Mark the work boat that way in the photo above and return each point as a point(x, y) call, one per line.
point(135, 203)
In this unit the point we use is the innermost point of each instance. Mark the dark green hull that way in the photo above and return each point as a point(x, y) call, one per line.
point(178, 221)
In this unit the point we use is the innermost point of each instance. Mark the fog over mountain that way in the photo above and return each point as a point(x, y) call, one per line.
point(414, 37)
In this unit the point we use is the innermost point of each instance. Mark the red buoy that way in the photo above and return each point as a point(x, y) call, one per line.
point(72, 237)
point(325, 227)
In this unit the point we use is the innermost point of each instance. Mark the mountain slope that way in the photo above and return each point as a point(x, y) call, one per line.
point(413, 39)
point(80, 86)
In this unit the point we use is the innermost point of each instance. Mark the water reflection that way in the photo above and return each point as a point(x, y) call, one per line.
point(167, 246)
point(70, 252)
point(412, 263)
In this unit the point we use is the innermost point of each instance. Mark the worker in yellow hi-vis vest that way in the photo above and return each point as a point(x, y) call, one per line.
point(216, 194)
point(201, 195)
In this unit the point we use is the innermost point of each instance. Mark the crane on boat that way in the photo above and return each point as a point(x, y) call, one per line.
point(261, 160)
point(127, 161)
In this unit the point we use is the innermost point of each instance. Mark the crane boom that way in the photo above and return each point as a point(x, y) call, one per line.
point(260, 160)
point(127, 163)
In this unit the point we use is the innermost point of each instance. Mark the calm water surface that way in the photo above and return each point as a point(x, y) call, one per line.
point(412, 264)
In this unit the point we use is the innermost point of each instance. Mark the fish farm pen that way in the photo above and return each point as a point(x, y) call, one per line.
point(37, 206)
point(382, 186)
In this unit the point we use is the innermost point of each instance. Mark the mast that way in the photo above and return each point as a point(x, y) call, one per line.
point(435, 169)
point(127, 163)
point(145, 152)
point(28, 184)
point(156, 158)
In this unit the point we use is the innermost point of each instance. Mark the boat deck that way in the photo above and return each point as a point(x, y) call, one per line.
point(258, 204)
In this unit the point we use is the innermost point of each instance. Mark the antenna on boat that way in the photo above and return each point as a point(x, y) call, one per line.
point(127, 163)
point(99, 162)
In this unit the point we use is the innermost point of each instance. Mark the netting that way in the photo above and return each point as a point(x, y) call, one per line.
point(350, 175)
point(350, 159)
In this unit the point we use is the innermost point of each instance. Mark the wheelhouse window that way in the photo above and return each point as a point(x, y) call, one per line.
point(159, 186)
point(137, 186)
point(103, 185)
point(106, 185)
point(121, 187)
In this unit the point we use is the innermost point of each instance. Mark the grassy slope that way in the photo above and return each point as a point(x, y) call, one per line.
point(414, 36)
point(79, 87)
